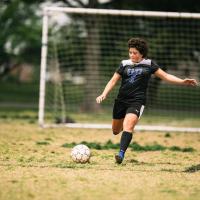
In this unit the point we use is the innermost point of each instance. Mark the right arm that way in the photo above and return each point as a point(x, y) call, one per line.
point(116, 77)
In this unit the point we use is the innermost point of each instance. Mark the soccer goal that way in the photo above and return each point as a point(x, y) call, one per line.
point(81, 48)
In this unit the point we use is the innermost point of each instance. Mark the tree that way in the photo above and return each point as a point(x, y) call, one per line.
point(20, 34)
point(156, 5)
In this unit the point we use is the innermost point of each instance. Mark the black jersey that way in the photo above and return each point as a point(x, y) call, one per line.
point(135, 78)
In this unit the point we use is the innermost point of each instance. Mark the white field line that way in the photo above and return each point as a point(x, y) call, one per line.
point(137, 128)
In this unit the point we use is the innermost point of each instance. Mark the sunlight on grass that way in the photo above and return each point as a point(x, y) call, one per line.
point(35, 163)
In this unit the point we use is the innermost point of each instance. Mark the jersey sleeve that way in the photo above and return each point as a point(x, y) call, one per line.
point(154, 67)
point(120, 69)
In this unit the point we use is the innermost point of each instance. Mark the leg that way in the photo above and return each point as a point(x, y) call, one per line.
point(132, 116)
point(128, 126)
point(117, 125)
point(130, 121)
point(119, 112)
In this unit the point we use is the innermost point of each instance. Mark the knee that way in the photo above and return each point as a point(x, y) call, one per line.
point(116, 132)
point(129, 128)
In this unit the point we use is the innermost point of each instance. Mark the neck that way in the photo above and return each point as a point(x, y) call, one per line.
point(139, 60)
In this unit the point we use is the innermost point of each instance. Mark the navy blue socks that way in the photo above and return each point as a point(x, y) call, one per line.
point(124, 143)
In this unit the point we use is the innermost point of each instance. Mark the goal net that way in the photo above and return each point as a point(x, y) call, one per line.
point(81, 49)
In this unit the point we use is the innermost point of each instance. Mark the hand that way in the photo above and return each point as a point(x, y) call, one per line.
point(191, 82)
point(100, 98)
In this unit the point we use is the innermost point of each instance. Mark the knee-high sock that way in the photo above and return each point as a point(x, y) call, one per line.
point(125, 141)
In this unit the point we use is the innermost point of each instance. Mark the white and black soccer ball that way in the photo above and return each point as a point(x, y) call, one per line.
point(80, 153)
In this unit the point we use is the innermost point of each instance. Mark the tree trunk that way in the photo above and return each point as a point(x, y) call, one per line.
point(92, 59)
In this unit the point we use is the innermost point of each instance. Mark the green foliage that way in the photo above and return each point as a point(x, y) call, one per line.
point(156, 5)
point(19, 92)
point(21, 28)
point(64, 40)
point(156, 147)
point(42, 143)
point(187, 149)
point(165, 92)
point(69, 165)
point(69, 145)
point(134, 146)
point(167, 135)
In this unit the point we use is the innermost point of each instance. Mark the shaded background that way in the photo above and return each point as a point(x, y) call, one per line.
point(20, 44)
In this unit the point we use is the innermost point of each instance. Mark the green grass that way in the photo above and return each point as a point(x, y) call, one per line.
point(35, 163)
point(133, 146)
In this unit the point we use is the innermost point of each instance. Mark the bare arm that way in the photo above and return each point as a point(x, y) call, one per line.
point(116, 77)
point(173, 79)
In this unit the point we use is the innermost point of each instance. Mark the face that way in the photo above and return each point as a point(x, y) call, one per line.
point(135, 55)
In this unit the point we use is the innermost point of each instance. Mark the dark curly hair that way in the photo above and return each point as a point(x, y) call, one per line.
point(140, 44)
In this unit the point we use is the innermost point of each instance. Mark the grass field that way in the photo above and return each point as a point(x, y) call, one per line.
point(35, 163)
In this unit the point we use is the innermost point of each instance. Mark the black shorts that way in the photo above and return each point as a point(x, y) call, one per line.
point(120, 109)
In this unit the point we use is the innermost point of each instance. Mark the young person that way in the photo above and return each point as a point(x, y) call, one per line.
point(135, 74)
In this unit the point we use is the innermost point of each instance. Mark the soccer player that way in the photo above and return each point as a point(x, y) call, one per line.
point(135, 74)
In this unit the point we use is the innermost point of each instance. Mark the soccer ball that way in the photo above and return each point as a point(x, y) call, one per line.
point(80, 153)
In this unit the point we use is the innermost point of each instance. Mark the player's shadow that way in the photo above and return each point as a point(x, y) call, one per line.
point(136, 162)
point(191, 169)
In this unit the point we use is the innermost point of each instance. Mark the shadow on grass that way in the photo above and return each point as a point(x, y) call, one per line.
point(134, 146)
point(192, 169)
point(136, 162)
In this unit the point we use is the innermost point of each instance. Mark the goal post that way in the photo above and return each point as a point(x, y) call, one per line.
point(43, 66)
point(81, 49)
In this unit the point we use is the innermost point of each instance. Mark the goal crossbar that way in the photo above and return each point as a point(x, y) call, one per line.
point(122, 12)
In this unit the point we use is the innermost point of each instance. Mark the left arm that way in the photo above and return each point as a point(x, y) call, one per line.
point(173, 79)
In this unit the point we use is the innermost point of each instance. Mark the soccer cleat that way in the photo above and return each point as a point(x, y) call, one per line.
point(118, 159)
